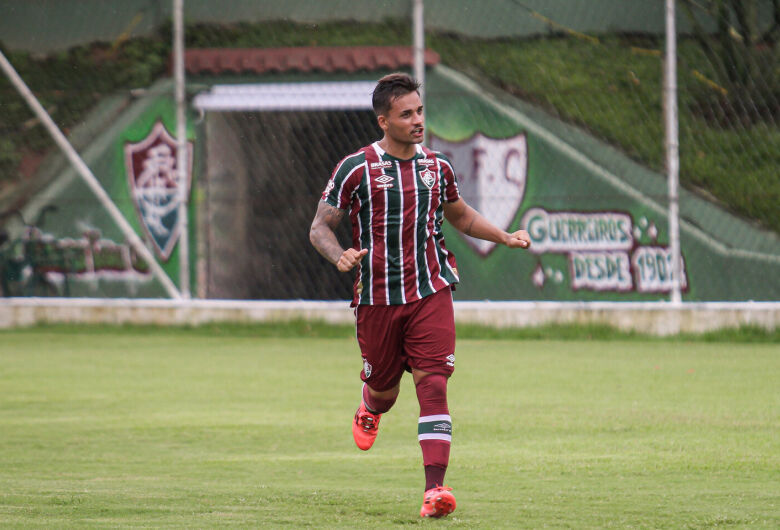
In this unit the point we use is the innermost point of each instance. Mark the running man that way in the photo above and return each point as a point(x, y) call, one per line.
point(397, 193)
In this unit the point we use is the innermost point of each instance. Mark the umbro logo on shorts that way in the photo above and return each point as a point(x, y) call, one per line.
point(451, 360)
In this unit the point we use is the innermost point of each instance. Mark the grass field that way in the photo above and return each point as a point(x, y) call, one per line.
point(143, 427)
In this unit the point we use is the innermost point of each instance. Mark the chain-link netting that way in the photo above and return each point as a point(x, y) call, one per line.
point(730, 105)
point(87, 63)
point(69, 73)
point(562, 102)
point(261, 196)
point(604, 76)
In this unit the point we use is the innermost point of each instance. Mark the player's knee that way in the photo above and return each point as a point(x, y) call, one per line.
point(436, 382)
point(432, 387)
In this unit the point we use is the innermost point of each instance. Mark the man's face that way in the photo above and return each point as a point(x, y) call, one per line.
point(404, 122)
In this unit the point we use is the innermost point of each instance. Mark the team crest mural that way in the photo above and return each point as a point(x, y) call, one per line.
point(492, 175)
point(154, 186)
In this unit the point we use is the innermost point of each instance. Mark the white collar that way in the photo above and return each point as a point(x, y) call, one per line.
point(380, 152)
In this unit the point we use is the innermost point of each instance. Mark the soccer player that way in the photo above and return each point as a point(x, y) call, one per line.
point(398, 193)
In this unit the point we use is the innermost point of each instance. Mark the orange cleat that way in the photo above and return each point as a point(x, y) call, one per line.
point(438, 502)
point(365, 427)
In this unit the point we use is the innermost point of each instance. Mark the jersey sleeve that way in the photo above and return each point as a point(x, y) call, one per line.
point(450, 191)
point(344, 181)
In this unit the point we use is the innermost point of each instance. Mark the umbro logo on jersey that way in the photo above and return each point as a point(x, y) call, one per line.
point(385, 181)
point(382, 164)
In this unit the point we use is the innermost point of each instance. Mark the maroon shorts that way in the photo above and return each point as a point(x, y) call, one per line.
point(394, 338)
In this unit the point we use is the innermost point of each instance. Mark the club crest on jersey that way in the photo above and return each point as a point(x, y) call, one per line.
point(155, 188)
point(385, 181)
point(428, 177)
point(381, 165)
point(367, 368)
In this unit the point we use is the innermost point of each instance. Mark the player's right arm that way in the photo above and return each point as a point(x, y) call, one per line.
point(331, 210)
point(323, 236)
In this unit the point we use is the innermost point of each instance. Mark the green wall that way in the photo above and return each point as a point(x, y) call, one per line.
point(576, 181)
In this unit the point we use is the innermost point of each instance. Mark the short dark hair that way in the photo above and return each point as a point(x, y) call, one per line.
point(390, 87)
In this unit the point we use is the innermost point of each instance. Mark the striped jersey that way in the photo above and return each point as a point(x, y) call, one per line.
point(396, 209)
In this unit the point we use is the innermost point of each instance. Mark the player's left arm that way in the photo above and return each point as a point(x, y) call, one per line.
point(469, 221)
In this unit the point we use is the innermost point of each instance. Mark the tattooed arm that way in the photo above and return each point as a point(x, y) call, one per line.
point(322, 235)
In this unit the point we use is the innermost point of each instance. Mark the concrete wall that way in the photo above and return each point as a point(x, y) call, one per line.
point(654, 318)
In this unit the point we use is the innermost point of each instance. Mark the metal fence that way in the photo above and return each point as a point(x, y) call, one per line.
point(563, 100)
